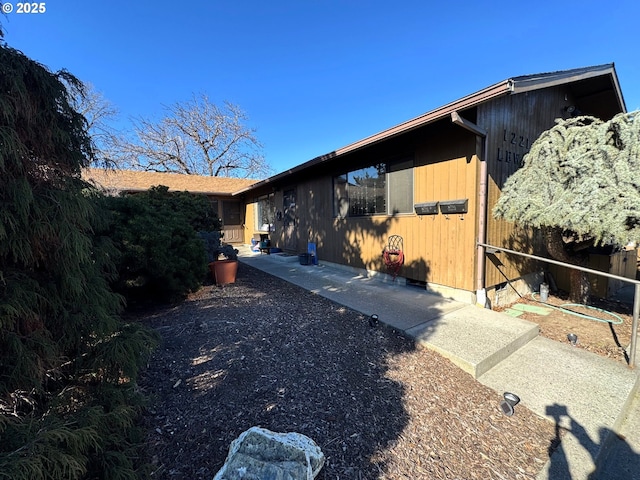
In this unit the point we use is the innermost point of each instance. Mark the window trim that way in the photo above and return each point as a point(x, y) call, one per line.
point(271, 226)
point(340, 198)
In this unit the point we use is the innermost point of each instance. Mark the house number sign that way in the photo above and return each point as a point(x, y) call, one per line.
point(512, 147)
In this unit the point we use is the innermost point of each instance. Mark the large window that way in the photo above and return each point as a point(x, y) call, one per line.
point(381, 189)
point(266, 213)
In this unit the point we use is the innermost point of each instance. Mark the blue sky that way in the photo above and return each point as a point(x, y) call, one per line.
point(316, 75)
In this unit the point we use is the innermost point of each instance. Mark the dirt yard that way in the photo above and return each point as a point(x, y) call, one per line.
point(609, 337)
point(264, 352)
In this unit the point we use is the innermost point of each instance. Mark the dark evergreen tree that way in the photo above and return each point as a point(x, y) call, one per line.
point(580, 184)
point(68, 363)
point(162, 256)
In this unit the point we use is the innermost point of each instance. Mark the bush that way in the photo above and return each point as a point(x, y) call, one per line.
point(162, 258)
point(68, 363)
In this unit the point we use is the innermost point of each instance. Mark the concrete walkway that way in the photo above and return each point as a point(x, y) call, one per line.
point(594, 398)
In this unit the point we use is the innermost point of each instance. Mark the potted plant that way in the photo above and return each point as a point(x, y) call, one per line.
point(225, 267)
point(223, 259)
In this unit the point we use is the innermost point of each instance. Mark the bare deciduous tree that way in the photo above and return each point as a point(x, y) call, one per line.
point(100, 115)
point(196, 137)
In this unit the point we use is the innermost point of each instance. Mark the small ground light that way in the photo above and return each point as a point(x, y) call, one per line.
point(573, 339)
point(373, 320)
point(510, 401)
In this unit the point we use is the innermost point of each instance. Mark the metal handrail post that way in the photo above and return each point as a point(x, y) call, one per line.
point(634, 327)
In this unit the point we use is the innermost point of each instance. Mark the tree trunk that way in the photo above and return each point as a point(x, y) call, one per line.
point(580, 287)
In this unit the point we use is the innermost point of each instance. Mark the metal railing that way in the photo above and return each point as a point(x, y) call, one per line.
point(636, 296)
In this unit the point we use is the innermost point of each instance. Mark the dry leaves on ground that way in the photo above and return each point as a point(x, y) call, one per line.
point(265, 352)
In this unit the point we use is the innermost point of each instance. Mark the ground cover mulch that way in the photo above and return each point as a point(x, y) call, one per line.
point(265, 352)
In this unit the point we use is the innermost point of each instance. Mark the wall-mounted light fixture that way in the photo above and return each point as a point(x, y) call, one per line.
point(572, 111)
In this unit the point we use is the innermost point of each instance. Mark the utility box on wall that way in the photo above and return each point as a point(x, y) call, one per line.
point(454, 206)
point(426, 208)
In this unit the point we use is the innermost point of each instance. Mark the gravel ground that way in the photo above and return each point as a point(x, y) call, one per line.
point(265, 352)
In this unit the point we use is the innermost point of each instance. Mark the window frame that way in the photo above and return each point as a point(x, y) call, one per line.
point(270, 200)
point(341, 184)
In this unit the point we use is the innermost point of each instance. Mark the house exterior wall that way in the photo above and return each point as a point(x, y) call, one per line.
point(513, 123)
point(447, 168)
point(438, 249)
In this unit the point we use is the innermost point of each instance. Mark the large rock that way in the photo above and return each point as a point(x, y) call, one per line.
point(260, 454)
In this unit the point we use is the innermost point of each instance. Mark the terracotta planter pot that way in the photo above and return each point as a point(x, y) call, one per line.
point(224, 271)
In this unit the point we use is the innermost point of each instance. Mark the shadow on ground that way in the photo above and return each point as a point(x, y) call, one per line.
point(619, 462)
point(277, 356)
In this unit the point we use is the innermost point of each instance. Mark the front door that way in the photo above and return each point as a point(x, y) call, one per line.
point(290, 219)
point(232, 221)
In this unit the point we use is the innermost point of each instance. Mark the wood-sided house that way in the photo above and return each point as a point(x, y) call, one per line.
point(432, 180)
point(219, 190)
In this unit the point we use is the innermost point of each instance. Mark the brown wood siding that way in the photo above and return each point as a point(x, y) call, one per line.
point(447, 170)
point(250, 220)
point(514, 123)
point(438, 248)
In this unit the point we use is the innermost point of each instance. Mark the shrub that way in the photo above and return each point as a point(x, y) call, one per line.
point(162, 258)
point(68, 363)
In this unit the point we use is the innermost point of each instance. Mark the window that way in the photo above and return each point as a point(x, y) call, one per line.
point(400, 187)
point(366, 191)
point(381, 189)
point(289, 207)
point(231, 213)
point(266, 213)
point(214, 206)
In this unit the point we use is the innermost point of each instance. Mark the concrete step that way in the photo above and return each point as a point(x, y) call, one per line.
point(583, 393)
point(475, 339)
point(285, 257)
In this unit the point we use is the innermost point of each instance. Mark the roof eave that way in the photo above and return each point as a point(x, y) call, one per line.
point(536, 82)
point(469, 101)
point(510, 86)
